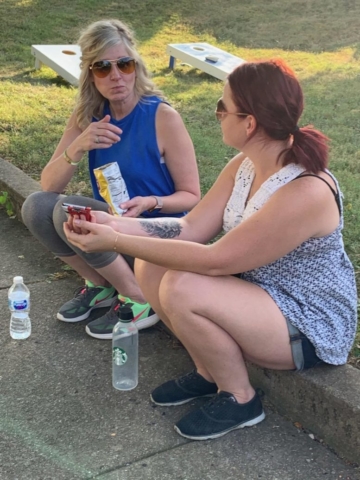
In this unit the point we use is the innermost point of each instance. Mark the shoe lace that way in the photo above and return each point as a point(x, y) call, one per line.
point(82, 292)
point(116, 304)
point(114, 310)
point(187, 377)
point(215, 403)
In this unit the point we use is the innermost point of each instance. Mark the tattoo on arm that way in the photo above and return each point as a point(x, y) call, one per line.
point(165, 229)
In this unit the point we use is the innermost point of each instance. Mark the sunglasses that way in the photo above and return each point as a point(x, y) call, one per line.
point(102, 68)
point(221, 111)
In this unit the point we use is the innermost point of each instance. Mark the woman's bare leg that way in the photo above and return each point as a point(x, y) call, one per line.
point(84, 270)
point(118, 274)
point(222, 321)
point(149, 277)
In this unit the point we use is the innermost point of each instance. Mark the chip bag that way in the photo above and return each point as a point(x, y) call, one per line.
point(112, 186)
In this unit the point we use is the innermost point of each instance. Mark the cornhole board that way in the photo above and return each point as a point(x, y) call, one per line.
point(206, 57)
point(63, 59)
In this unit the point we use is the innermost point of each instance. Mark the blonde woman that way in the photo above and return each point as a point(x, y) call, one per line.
point(121, 117)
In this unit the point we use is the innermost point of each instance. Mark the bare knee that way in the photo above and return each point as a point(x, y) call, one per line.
point(149, 277)
point(177, 290)
point(143, 270)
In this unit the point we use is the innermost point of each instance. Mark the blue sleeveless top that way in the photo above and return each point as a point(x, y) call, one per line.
point(137, 154)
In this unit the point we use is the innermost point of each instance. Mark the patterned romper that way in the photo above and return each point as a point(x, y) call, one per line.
point(314, 285)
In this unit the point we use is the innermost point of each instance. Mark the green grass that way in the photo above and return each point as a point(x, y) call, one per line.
point(319, 39)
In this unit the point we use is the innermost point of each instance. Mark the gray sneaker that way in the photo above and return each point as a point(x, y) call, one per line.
point(102, 327)
point(85, 300)
point(144, 317)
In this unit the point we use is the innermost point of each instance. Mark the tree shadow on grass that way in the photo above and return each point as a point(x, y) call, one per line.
point(26, 77)
point(324, 25)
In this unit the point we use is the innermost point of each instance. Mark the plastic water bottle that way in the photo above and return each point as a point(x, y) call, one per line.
point(125, 343)
point(19, 306)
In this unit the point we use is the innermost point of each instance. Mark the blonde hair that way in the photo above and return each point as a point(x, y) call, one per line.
point(93, 41)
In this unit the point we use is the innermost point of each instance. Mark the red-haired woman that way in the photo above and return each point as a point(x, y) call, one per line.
point(278, 288)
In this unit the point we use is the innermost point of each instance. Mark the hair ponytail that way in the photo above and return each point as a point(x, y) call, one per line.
point(309, 149)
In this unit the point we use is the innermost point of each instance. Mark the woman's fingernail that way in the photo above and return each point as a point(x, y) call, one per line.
point(76, 221)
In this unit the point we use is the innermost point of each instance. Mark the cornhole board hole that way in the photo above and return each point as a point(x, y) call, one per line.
point(206, 57)
point(63, 59)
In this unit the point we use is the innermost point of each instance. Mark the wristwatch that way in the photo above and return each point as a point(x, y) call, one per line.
point(159, 204)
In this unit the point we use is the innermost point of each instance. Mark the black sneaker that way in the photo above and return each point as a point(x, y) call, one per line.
point(85, 300)
point(183, 390)
point(144, 317)
point(220, 415)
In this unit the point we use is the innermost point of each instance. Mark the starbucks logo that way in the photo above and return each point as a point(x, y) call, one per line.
point(119, 356)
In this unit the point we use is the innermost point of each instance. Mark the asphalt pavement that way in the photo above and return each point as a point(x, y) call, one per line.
point(62, 419)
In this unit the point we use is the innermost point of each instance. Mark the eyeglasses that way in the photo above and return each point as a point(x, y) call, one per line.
point(102, 68)
point(221, 111)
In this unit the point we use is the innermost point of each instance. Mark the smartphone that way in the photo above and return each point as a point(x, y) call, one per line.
point(77, 211)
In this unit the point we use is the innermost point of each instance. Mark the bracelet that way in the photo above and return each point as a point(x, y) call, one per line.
point(117, 236)
point(159, 204)
point(69, 160)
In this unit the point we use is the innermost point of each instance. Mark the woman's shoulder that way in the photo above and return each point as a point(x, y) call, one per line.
point(167, 116)
point(164, 108)
point(311, 180)
point(237, 166)
point(240, 162)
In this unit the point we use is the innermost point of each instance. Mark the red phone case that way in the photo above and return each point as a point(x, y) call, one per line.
point(78, 211)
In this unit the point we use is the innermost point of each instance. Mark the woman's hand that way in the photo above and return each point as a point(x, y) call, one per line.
point(103, 218)
point(57, 173)
point(101, 134)
point(73, 226)
point(99, 237)
point(99, 217)
point(137, 205)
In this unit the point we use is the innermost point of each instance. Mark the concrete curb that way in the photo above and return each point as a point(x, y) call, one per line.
point(325, 400)
point(17, 184)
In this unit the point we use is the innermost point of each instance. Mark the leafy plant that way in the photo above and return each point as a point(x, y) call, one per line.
point(6, 202)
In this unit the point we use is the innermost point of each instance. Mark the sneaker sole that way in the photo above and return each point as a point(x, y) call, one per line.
point(105, 303)
point(141, 324)
point(249, 423)
point(181, 402)
point(147, 322)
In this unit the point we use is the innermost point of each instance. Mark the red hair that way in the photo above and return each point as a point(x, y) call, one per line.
point(272, 94)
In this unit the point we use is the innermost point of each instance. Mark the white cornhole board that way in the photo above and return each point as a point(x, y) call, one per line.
point(209, 59)
point(63, 59)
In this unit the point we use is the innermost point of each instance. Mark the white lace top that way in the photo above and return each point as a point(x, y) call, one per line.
point(314, 285)
point(235, 211)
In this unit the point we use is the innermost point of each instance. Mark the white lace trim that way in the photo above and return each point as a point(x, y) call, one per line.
point(235, 211)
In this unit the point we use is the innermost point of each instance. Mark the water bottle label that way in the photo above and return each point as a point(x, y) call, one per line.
point(119, 356)
point(18, 304)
